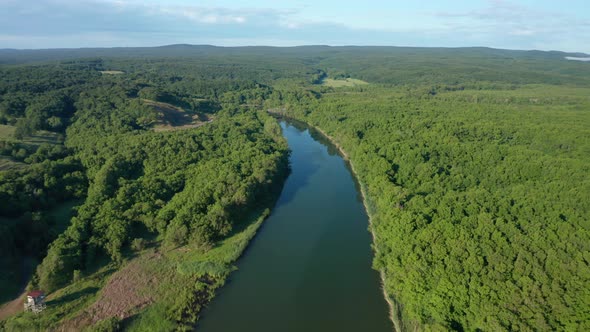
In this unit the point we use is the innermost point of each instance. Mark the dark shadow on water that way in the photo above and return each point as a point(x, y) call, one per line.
point(325, 141)
point(295, 182)
point(314, 133)
point(300, 178)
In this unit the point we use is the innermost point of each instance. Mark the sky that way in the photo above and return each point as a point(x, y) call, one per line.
point(562, 25)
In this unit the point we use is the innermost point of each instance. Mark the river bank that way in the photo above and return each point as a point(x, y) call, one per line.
point(394, 311)
point(394, 306)
point(309, 268)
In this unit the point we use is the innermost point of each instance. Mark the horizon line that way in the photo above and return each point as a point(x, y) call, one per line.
point(293, 46)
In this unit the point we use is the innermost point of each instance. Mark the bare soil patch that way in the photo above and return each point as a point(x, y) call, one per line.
point(175, 118)
point(126, 292)
point(13, 307)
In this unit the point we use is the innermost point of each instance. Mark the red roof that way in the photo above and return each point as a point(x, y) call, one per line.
point(35, 293)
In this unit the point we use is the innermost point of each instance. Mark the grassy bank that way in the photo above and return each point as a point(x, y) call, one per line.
point(157, 288)
point(191, 274)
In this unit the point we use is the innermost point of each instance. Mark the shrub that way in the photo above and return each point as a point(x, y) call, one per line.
point(138, 244)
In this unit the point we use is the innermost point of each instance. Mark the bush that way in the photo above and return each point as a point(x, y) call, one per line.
point(77, 275)
point(176, 235)
point(138, 244)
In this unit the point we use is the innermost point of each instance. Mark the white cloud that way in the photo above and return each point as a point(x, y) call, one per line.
point(508, 24)
point(205, 15)
point(522, 32)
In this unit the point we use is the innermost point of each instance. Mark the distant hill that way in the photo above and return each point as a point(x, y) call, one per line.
point(373, 64)
point(15, 56)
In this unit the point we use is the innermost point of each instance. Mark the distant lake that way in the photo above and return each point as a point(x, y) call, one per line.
point(576, 58)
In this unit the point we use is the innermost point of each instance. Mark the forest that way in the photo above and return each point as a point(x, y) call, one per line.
point(138, 188)
point(474, 163)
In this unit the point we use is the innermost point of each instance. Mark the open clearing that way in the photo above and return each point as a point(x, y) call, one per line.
point(112, 72)
point(342, 83)
point(41, 137)
point(171, 117)
point(126, 292)
point(13, 307)
point(38, 138)
point(7, 164)
point(7, 132)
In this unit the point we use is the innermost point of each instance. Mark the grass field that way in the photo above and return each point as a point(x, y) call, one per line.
point(143, 293)
point(63, 305)
point(7, 132)
point(348, 82)
point(42, 137)
point(112, 72)
point(180, 269)
point(38, 138)
point(7, 164)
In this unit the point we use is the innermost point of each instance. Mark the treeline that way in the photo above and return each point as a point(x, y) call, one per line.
point(480, 211)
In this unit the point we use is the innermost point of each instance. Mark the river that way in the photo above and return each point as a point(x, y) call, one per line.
point(309, 266)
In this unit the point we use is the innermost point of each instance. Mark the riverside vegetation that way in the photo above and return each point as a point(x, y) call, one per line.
point(193, 196)
point(474, 162)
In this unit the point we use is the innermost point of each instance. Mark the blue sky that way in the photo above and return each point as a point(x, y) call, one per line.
point(515, 24)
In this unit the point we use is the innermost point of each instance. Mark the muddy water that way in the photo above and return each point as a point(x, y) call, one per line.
point(309, 266)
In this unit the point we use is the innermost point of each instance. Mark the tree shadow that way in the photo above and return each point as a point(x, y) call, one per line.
point(74, 296)
point(297, 180)
point(301, 168)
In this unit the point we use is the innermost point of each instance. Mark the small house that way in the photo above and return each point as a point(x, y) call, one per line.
point(35, 301)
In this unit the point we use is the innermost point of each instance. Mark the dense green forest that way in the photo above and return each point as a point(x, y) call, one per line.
point(474, 163)
point(480, 210)
point(139, 188)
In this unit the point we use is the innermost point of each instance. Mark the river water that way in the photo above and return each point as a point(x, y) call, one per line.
point(309, 266)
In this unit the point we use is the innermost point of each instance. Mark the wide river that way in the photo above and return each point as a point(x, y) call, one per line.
point(309, 266)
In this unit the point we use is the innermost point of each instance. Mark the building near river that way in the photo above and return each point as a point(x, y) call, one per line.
point(35, 301)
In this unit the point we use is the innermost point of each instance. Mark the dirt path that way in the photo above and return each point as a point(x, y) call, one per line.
point(13, 307)
point(27, 266)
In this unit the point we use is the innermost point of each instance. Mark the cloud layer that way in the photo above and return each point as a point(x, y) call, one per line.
point(87, 23)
